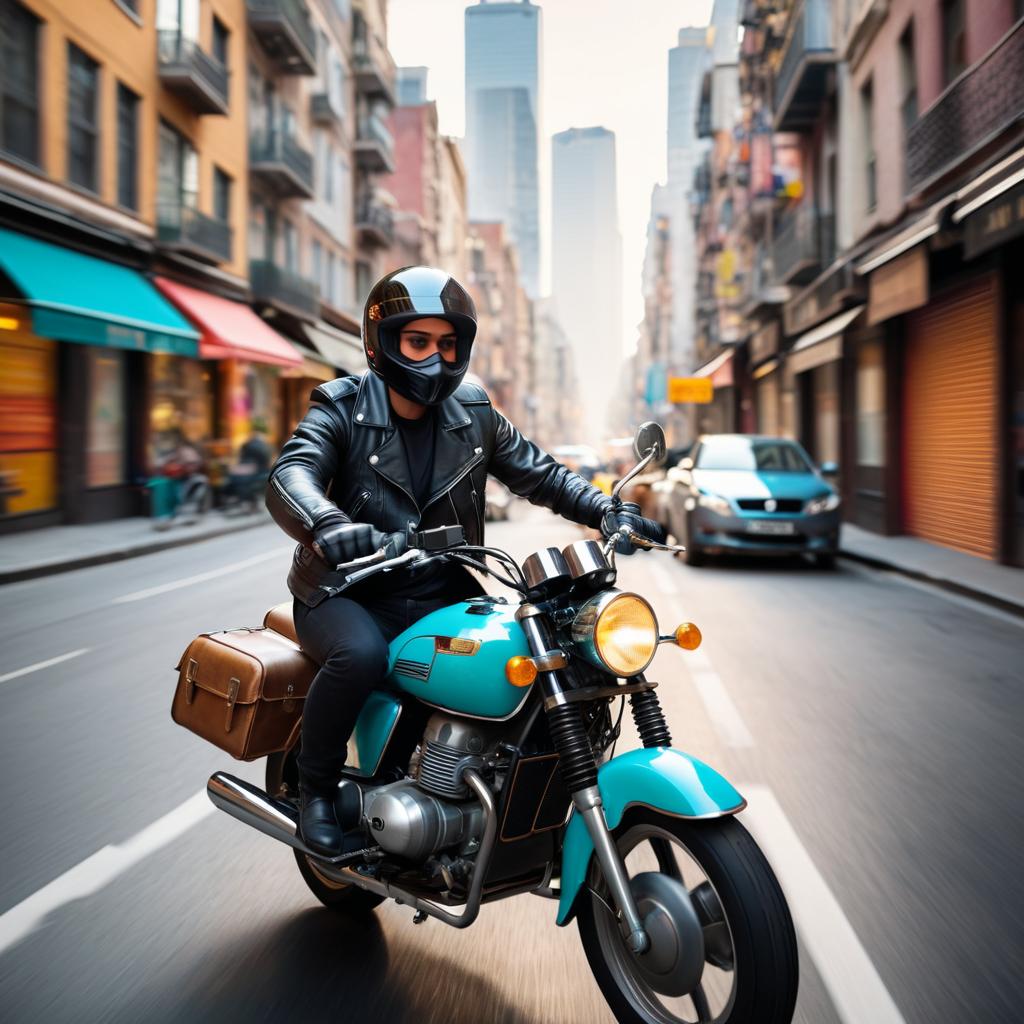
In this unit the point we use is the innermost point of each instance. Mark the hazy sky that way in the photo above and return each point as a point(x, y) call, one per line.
point(605, 62)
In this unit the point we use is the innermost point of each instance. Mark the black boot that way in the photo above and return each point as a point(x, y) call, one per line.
point(318, 823)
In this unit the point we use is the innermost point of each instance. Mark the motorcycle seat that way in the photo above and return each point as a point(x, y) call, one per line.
point(280, 620)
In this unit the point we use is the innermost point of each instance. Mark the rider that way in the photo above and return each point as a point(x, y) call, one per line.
point(405, 447)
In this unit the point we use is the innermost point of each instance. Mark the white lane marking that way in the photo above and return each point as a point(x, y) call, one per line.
point(163, 588)
point(724, 714)
point(44, 664)
point(856, 990)
point(99, 870)
point(666, 580)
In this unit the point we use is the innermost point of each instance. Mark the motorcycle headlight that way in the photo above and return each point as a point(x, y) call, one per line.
point(617, 632)
point(826, 503)
point(716, 504)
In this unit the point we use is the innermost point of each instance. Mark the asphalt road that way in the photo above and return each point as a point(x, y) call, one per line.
point(875, 727)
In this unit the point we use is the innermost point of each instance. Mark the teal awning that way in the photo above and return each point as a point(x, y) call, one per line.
point(74, 297)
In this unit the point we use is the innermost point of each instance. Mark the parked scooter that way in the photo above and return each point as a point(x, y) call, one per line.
point(488, 769)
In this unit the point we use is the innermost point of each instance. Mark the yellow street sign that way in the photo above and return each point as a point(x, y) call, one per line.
point(698, 390)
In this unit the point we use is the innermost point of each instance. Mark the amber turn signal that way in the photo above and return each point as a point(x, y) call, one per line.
point(688, 636)
point(520, 670)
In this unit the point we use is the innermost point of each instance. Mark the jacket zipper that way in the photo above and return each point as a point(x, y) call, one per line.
point(291, 503)
point(471, 465)
point(357, 507)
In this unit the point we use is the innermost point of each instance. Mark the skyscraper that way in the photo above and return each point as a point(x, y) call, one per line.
point(586, 263)
point(503, 123)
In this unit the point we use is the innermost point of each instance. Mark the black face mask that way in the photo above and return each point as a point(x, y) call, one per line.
point(425, 381)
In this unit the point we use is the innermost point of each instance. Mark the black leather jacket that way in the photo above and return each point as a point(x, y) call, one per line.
point(345, 463)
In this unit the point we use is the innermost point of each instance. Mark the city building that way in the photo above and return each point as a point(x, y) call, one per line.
point(411, 86)
point(586, 263)
point(179, 260)
point(504, 124)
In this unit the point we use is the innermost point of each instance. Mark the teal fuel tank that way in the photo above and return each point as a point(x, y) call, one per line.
point(455, 658)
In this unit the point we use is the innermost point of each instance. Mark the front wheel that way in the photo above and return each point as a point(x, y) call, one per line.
point(697, 884)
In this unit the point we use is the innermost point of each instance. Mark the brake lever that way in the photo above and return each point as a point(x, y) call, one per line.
point(380, 565)
point(640, 541)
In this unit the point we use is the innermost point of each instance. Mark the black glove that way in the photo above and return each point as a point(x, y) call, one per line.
point(339, 543)
point(628, 514)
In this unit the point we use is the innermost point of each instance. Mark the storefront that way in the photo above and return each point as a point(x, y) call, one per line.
point(249, 357)
point(815, 362)
point(763, 360)
point(718, 416)
point(74, 352)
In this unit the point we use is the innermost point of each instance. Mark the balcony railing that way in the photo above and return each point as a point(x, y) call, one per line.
point(286, 33)
point(276, 286)
point(800, 83)
point(282, 164)
point(375, 146)
point(189, 72)
point(323, 110)
point(975, 109)
point(804, 244)
point(186, 230)
point(373, 65)
point(375, 223)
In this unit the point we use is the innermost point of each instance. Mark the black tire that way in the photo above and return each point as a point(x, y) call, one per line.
point(826, 561)
point(282, 783)
point(693, 556)
point(760, 933)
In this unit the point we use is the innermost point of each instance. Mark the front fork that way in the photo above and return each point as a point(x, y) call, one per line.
point(579, 768)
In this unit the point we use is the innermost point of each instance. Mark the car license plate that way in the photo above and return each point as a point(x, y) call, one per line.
point(771, 526)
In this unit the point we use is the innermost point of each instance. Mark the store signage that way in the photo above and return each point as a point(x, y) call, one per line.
point(898, 286)
point(823, 299)
point(695, 390)
point(764, 342)
point(995, 223)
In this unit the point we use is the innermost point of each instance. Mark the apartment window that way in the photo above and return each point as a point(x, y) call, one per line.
point(318, 261)
point(329, 174)
point(83, 129)
point(908, 78)
point(127, 147)
point(954, 39)
point(344, 9)
point(221, 196)
point(221, 38)
point(178, 171)
point(181, 16)
point(19, 84)
point(332, 270)
point(291, 247)
point(867, 105)
point(129, 5)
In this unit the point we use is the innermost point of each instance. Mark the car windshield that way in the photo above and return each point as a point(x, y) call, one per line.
point(752, 454)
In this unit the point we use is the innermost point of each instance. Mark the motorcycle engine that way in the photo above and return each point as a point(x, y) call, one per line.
point(432, 811)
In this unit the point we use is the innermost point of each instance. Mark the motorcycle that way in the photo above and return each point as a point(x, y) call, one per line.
point(487, 768)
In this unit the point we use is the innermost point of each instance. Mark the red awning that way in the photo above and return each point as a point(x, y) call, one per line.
point(230, 330)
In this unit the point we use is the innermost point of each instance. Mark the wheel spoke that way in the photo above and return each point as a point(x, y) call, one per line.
point(667, 863)
point(700, 1004)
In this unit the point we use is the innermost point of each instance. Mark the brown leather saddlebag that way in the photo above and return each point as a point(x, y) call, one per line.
point(243, 690)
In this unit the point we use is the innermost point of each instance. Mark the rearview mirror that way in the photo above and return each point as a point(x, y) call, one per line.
point(650, 436)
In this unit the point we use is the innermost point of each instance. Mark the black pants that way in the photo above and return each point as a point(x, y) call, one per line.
point(349, 640)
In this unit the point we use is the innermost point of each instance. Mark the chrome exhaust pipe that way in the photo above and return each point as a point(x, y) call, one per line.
point(250, 805)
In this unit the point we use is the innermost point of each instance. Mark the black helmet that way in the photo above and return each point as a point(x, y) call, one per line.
point(411, 294)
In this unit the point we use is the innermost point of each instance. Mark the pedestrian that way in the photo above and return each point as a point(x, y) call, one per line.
point(248, 476)
point(405, 447)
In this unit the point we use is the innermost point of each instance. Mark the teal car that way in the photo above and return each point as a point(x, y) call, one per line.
point(749, 494)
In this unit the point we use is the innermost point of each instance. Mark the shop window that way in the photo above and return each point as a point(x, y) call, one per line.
point(182, 405)
point(28, 420)
point(105, 427)
point(127, 147)
point(871, 404)
point(19, 82)
point(83, 126)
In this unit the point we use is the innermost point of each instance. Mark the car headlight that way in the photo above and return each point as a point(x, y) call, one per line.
point(617, 632)
point(826, 503)
point(715, 503)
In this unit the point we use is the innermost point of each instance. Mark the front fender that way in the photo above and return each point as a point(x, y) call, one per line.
point(662, 778)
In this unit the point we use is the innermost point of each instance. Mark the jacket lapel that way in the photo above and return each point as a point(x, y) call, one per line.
point(456, 450)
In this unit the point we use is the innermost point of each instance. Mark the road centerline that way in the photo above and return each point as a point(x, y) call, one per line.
point(202, 577)
point(98, 871)
point(17, 673)
point(857, 992)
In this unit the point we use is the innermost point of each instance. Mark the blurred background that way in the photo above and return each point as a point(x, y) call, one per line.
point(796, 221)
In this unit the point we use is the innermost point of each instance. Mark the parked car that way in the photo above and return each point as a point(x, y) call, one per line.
point(752, 495)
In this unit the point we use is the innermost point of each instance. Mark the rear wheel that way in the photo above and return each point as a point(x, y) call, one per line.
point(282, 783)
point(697, 884)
